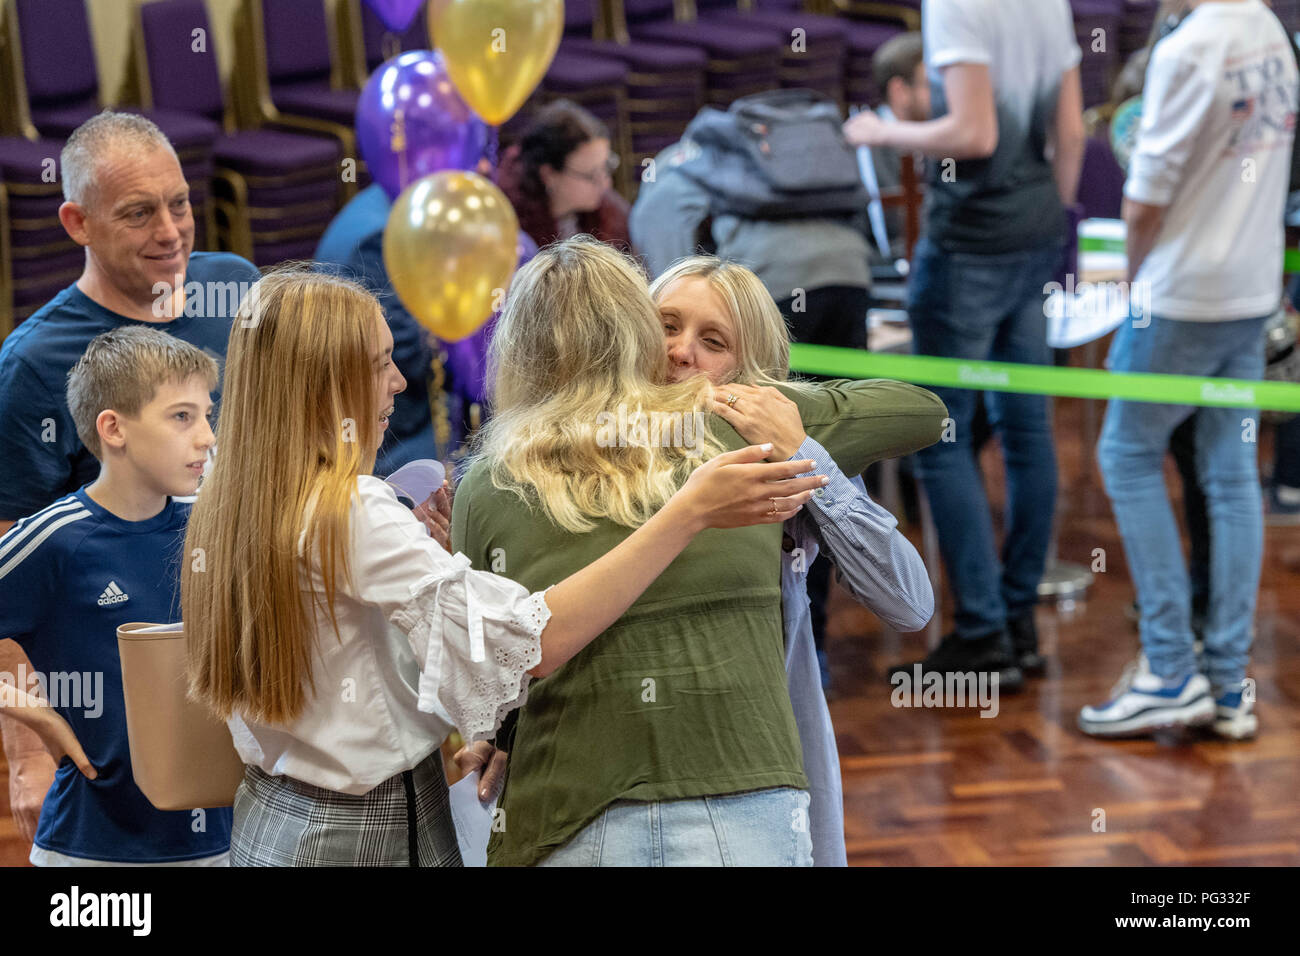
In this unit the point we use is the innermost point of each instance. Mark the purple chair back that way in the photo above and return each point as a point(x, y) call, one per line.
point(179, 78)
point(1101, 183)
point(578, 17)
point(639, 11)
point(1097, 8)
point(374, 34)
point(66, 77)
point(297, 40)
point(1135, 28)
point(1288, 11)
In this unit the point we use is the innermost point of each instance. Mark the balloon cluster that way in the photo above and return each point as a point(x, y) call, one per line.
point(452, 240)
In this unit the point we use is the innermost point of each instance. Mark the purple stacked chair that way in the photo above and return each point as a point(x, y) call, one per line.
point(1101, 50)
point(377, 42)
point(818, 65)
point(294, 80)
point(58, 90)
point(664, 85)
point(6, 268)
point(276, 190)
point(40, 259)
point(872, 24)
point(904, 14)
point(1135, 28)
point(1288, 11)
point(1101, 181)
point(741, 60)
point(299, 62)
point(865, 37)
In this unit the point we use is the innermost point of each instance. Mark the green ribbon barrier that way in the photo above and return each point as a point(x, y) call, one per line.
point(1096, 244)
point(1290, 262)
point(1046, 379)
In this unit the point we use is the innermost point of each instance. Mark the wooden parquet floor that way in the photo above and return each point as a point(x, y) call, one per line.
point(1024, 788)
point(947, 787)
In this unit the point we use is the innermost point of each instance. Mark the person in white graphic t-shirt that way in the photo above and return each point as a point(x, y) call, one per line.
point(1204, 205)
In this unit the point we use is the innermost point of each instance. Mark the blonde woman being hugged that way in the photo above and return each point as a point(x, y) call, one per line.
point(720, 322)
point(671, 739)
point(338, 640)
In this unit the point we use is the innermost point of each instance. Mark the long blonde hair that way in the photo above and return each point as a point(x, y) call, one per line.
point(578, 340)
point(762, 337)
point(299, 423)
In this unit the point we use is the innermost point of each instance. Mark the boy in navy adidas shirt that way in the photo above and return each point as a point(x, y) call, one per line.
point(102, 556)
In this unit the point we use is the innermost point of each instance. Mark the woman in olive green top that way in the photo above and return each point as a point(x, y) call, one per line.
point(678, 716)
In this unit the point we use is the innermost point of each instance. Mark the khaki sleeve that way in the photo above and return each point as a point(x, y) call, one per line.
point(860, 422)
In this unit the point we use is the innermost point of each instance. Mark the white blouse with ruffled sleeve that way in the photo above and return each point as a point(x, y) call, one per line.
point(425, 644)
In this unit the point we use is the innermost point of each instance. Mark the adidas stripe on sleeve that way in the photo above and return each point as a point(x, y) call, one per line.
point(30, 567)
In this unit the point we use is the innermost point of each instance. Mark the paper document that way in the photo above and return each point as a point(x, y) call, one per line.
point(472, 819)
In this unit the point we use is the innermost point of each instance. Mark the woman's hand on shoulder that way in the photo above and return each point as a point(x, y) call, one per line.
point(762, 414)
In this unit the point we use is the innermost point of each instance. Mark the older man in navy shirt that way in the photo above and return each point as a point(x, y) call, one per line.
point(127, 203)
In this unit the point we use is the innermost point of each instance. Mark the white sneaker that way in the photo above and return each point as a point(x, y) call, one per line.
point(1148, 703)
point(1234, 717)
point(1132, 670)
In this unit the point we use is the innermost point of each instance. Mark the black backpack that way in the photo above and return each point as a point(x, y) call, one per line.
point(776, 155)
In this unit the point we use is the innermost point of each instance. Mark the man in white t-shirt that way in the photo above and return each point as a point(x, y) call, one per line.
point(1204, 205)
point(1006, 146)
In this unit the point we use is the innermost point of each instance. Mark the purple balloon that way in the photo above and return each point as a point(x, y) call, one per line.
point(467, 363)
point(526, 248)
point(467, 359)
point(397, 15)
point(412, 98)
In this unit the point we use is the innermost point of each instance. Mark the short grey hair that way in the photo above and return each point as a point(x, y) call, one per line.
point(94, 139)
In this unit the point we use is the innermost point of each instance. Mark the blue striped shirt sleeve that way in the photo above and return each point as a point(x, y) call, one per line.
point(879, 566)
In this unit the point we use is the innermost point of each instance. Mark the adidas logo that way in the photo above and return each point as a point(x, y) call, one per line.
point(112, 595)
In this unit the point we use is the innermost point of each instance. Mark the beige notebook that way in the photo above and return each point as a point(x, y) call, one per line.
point(182, 756)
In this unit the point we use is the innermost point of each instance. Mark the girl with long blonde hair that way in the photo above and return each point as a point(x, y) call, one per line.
point(670, 741)
point(721, 325)
point(337, 639)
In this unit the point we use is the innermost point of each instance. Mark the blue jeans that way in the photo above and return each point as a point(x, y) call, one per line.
point(988, 308)
point(756, 828)
point(1131, 453)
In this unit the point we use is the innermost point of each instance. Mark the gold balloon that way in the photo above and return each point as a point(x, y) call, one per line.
point(450, 249)
point(497, 51)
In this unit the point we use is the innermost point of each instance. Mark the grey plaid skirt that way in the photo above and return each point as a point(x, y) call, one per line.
point(405, 821)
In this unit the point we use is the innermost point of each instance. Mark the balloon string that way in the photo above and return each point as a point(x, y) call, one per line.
point(398, 146)
point(438, 405)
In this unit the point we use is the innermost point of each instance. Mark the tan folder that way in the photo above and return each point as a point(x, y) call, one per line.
point(182, 757)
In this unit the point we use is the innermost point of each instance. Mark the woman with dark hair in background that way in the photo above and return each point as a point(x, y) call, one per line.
point(559, 178)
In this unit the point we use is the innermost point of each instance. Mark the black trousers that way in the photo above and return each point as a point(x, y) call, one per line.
point(831, 315)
